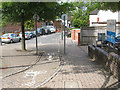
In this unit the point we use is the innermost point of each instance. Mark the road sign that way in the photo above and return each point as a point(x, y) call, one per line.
point(64, 15)
point(111, 30)
point(111, 25)
point(36, 17)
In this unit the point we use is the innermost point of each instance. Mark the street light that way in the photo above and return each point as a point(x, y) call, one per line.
point(36, 17)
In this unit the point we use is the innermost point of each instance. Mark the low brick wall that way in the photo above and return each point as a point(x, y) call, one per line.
point(101, 56)
point(91, 51)
point(110, 61)
point(114, 64)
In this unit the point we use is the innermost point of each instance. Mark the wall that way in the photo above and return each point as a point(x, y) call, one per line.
point(12, 28)
point(92, 18)
point(89, 35)
point(103, 17)
point(109, 61)
point(74, 35)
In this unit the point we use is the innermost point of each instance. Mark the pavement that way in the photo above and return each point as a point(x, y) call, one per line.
point(18, 69)
point(78, 71)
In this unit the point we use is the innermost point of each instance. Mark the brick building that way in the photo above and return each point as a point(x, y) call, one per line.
point(17, 27)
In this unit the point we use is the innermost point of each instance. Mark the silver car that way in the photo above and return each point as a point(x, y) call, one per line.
point(27, 35)
point(10, 38)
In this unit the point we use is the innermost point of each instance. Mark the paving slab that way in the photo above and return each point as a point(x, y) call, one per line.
point(79, 71)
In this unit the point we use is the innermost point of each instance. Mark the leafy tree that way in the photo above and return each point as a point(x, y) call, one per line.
point(81, 14)
point(23, 11)
point(29, 24)
point(113, 6)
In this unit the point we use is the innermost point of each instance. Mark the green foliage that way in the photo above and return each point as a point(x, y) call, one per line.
point(24, 11)
point(81, 14)
point(12, 11)
point(29, 24)
point(113, 6)
point(76, 23)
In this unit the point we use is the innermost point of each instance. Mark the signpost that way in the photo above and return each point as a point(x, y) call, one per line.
point(36, 17)
point(111, 31)
point(64, 17)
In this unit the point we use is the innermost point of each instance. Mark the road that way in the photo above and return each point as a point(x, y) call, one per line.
point(13, 60)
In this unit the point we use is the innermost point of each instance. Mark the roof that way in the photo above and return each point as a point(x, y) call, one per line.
point(94, 12)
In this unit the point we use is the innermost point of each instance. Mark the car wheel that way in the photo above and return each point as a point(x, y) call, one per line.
point(11, 41)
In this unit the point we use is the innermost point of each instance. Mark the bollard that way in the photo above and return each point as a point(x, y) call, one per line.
point(78, 38)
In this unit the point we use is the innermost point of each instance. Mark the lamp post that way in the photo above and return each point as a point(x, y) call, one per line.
point(36, 17)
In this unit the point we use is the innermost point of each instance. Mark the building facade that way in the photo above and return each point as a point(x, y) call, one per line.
point(100, 17)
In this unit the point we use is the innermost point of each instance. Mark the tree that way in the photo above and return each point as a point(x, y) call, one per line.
point(23, 11)
point(113, 6)
point(81, 14)
point(29, 25)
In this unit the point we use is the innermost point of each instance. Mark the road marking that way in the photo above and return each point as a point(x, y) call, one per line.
point(33, 75)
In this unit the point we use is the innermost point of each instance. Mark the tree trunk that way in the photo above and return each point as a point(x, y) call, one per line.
point(23, 33)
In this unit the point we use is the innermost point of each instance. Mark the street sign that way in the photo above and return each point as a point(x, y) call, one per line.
point(64, 15)
point(111, 25)
point(36, 17)
point(111, 30)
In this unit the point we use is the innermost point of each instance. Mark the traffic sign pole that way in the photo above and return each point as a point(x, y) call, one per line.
point(36, 17)
point(64, 37)
point(36, 35)
point(64, 17)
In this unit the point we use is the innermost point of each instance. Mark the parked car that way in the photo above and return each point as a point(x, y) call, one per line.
point(52, 29)
point(10, 38)
point(41, 31)
point(34, 33)
point(27, 35)
point(47, 30)
point(38, 31)
point(30, 33)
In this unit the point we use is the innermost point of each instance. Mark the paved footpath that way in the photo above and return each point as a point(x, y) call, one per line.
point(79, 71)
point(18, 61)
